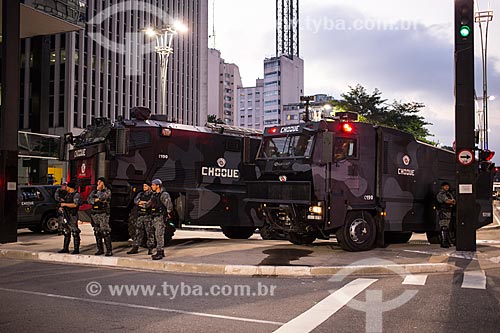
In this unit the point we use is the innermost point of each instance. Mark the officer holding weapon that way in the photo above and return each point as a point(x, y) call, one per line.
point(99, 199)
point(60, 195)
point(70, 213)
point(161, 208)
point(446, 205)
point(143, 221)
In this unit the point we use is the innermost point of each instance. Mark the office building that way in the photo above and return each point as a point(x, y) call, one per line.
point(223, 82)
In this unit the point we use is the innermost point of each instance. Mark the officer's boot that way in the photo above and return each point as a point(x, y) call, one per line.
point(134, 250)
point(76, 244)
point(109, 246)
point(150, 251)
point(65, 248)
point(445, 237)
point(98, 242)
point(158, 255)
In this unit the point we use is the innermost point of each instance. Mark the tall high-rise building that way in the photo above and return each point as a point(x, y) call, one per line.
point(251, 105)
point(223, 82)
point(283, 84)
point(283, 74)
point(110, 67)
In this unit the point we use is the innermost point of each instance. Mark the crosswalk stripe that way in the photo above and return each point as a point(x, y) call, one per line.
point(415, 280)
point(474, 280)
point(320, 312)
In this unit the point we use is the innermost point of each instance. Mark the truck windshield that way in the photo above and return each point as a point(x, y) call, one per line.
point(287, 146)
point(93, 134)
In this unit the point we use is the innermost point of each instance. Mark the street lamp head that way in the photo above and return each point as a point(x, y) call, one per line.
point(491, 98)
point(151, 32)
point(180, 27)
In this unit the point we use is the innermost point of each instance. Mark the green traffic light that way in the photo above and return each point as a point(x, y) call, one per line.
point(464, 31)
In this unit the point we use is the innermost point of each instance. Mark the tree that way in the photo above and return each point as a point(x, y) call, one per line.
point(358, 100)
point(373, 109)
point(404, 116)
point(212, 118)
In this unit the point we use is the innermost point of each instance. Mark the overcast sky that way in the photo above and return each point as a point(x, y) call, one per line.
point(404, 48)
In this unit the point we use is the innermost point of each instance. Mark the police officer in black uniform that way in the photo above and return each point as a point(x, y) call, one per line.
point(60, 196)
point(70, 210)
point(143, 222)
point(161, 208)
point(100, 199)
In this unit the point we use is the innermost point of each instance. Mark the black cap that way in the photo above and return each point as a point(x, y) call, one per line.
point(147, 182)
point(71, 184)
point(445, 184)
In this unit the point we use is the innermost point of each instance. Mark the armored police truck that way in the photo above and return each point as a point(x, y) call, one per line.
point(202, 168)
point(359, 181)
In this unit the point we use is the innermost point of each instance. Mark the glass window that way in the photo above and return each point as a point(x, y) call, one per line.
point(287, 146)
point(345, 148)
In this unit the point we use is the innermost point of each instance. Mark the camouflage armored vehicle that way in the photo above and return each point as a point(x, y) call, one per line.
point(358, 181)
point(202, 168)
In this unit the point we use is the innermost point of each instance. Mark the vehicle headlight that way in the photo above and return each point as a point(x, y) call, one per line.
point(316, 209)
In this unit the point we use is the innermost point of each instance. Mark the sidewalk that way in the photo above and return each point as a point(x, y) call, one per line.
point(210, 252)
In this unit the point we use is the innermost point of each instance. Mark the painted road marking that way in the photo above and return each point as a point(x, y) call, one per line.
point(142, 307)
point(316, 315)
point(415, 280)
point(474, 280)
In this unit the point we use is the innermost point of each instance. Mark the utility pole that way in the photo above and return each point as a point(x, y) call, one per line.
point(9, 117)
point(466, 169)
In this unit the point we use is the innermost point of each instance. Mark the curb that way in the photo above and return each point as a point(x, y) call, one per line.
point(238, 270)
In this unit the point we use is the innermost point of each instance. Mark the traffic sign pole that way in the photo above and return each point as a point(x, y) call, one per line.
point(466, 166)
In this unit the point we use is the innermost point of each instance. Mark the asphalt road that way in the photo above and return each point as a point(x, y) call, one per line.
point(46, 297)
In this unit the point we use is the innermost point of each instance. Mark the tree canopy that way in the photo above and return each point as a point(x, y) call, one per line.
point(374, 109)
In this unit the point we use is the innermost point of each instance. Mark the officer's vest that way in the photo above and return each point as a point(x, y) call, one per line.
point(69, 198)
point(100, 207)
point(157, 207)
point(144, 196)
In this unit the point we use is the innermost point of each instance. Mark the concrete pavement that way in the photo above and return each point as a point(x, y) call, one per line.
point(210, 252)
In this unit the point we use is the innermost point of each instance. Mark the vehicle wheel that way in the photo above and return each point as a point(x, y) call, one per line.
point(301, 239)
point(50, 224)
point(358, 233)
point(36, 229)
point(238, 232)
point(433, 237)
point(397, 237)
point(119, 233)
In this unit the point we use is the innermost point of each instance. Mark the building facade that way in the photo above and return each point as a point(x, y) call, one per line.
point(223, 82)
point(283, 84)
point(251, 106)
point(111, 66)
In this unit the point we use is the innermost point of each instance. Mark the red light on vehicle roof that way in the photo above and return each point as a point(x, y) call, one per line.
point(273, 130)
point(347, 128)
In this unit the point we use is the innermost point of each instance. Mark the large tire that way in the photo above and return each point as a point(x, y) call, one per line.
point(50, 224)
point(433, 237)
point(358, 233)
point(301, 239)
point(397, 237)
point(238, 232)
point(119, 233)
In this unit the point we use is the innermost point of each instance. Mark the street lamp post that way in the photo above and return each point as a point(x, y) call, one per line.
point(484, 17)
point(164, 36)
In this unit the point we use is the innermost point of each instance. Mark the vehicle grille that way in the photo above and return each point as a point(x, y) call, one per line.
point(279, 190)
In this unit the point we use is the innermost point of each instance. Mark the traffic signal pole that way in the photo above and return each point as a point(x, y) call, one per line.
point(9, 115)
point(466, 219)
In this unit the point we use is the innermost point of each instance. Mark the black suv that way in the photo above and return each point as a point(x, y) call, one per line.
point(37, 208)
